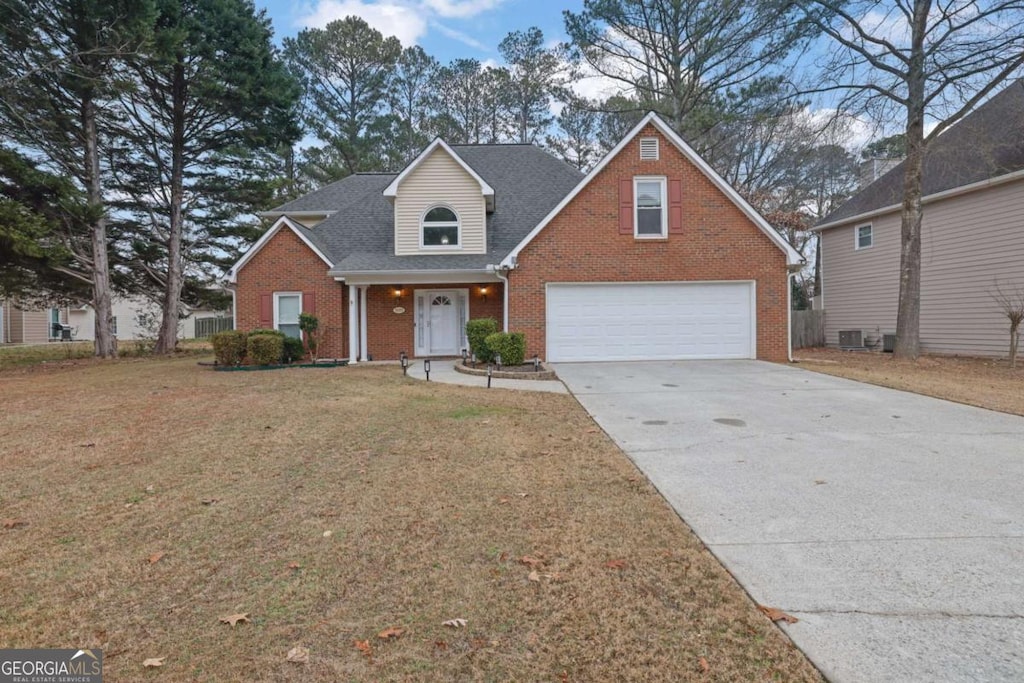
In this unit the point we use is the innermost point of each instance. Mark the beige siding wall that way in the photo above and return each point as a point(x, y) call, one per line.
point(439, 180)
point(967, 244)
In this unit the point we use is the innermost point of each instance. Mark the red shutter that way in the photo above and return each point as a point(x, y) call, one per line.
point(266, 311)
point(675, 206)
point(625, 206)
point(309, 303)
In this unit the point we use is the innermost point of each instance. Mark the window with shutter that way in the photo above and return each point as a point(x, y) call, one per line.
point(650, 207)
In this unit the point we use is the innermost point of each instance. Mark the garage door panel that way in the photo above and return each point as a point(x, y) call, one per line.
point(662, 321)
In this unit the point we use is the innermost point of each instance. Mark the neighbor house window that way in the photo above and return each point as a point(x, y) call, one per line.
point(287, 306)
point(55, 326)
point(864, 236)
point(113, 325)
point(650, 207)
point(440, 227)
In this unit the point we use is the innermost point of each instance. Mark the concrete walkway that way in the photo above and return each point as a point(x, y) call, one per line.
point(444, 371)
point(890, 524)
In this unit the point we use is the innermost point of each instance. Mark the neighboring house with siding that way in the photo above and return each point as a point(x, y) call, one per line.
point(972, 238)
point(39, 325)
point(651, 255)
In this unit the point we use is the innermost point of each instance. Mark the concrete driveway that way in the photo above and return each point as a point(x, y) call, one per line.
point(890, 524)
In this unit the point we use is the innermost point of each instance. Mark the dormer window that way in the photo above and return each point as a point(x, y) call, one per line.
point(440, 228)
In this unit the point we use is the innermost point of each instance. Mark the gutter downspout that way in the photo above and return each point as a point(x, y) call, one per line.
point(234, 310)
point(501, 271)
point(789, 313)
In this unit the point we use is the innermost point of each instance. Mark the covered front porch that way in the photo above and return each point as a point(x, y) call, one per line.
point(423, 315)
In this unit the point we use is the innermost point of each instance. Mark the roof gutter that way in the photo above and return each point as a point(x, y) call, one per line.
point(295, 214)
point(927, 199)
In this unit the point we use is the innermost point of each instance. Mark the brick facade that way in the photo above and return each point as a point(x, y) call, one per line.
point(286, 264)
point(717, 242)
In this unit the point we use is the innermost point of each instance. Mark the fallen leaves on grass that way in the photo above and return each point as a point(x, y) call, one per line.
point(533, 576)
point(704, 666)
point(327, 534)
point(241, 618)
point(616, 564)
point(364, 647)
point(153, 662)
point(87, 445)
point(209, 501)
point(391, 633)
point(298, 655)
point(776, 614)
point(14, 523)
point(294, 566)
point(154, 558)
point(532, 562)
point(440, 645)
point(454, 623)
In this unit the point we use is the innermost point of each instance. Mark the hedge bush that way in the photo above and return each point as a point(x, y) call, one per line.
point(511, 346)
point(273, 333)
point(229, 347)
point(264, 349)
point(292, 350)
point(477, 331)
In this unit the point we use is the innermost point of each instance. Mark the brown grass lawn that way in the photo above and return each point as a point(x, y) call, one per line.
point(431, 494)
point(984, 382)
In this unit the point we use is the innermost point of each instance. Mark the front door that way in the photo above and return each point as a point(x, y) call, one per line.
point(441, 322)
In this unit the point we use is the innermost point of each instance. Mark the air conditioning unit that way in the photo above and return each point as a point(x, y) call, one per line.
point(888, 343)
point(851, 339)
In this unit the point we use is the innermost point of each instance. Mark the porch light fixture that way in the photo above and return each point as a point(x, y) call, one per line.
point(483, 293)
point(426, 368)
point(398, 296)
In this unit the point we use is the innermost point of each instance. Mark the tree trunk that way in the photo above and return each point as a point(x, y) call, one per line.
point(167, 339)
point(1014, 339)
point(908, 314)
point(104, 344)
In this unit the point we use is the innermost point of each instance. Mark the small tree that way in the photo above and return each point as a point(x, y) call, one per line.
point(310, 326)
point(1011, 303)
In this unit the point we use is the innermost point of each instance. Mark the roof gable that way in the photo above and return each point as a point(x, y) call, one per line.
point(282, 222)
point(985, 147)
point(439, 144)
point(792, 256)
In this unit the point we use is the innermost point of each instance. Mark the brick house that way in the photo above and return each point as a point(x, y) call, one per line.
point(650, 256)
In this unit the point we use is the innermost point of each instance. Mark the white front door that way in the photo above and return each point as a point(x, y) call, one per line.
point(441, 321)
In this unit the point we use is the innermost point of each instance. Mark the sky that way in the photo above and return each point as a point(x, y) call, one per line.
point(446, 29)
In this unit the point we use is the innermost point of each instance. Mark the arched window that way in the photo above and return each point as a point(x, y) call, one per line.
point(440, 227)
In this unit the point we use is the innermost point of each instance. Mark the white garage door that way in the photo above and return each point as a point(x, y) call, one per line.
point(645, 321)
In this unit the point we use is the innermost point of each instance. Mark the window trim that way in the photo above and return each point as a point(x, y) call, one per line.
point(856, 236)
point(445, 224)
point(663, 181)
point(277, 310)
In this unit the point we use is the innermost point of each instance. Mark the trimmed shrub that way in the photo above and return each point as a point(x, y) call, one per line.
point(229, 347)
point(477, 331)
point(511, 346)
point(273, 333)
point(292, 350)
point(264, 349)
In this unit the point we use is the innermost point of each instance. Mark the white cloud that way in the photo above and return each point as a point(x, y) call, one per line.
point(461, 37)
point(595, 86)
point(453, 9)
point(406, 22)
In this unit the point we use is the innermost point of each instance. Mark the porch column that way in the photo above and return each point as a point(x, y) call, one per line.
point(362, 322)
point(353, 326)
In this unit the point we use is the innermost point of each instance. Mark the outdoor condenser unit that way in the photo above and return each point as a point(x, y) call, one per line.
point(888, 343)
point(851, 339)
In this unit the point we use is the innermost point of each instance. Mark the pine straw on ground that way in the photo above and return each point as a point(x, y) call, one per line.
point(983, 382)
point(431, 493)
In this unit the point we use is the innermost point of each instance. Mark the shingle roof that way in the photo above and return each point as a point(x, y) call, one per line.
point(987, 143)
point(359, 234)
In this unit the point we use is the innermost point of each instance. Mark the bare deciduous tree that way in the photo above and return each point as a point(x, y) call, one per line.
point(924, 61)
point(1011, 303)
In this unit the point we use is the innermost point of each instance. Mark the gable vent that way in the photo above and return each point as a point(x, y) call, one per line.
point(648, 149)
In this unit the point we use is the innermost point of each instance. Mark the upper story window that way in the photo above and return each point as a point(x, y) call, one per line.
point(651, 216)
point(440, 228)
point(865, 238)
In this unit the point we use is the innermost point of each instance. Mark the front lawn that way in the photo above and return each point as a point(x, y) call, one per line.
point(142, 501)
